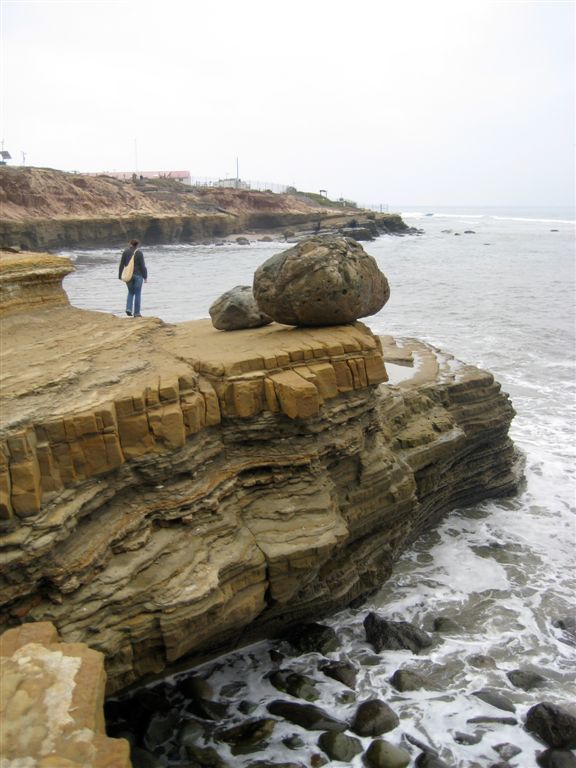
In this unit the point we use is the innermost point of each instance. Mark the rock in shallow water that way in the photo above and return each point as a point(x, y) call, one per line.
point(555, 725)
point(394, 635)
point(373, 718)
point(306, 715)
point(321, 281)
point(381, 754)
point(339, 746)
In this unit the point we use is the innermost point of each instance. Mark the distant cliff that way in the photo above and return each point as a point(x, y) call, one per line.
point(43, 209)
point(210, 487)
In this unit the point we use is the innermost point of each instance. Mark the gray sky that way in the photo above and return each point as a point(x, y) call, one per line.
point(407, 102)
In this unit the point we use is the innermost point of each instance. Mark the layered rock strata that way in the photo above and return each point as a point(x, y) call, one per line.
point(52, 703)
point(173, 491)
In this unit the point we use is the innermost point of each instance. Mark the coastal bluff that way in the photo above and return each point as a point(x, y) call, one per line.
point(168, 492)
point(46, 209)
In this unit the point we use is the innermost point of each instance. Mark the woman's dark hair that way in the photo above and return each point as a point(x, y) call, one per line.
point(134, 243)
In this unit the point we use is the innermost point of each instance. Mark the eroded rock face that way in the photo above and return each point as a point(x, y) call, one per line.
point(237, 309)
point(164, 509)
point(320, 281)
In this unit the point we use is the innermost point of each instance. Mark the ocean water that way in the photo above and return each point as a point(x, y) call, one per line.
point(496, 290)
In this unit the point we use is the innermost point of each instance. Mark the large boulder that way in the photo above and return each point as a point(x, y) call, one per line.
point(373, 718)
point(323, 280)
point(555, 725)
point(237, 309)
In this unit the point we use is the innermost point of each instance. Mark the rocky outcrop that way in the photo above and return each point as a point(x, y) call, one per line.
point(321, 281)
point(28, 283)
point(53, 703)
point(210, 488)
point(41, 209)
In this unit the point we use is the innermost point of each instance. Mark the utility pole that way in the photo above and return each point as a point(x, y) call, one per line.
point(136, 155)
point(23, 158)
point(237, 177)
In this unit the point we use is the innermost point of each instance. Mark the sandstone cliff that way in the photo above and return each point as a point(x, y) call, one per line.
point(48, 209)
point(171, 491)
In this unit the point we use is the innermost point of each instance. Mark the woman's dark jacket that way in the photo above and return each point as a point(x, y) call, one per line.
point(139, 265)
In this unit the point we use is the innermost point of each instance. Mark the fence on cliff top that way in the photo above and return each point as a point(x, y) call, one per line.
point(270, 186)
point(260, 186)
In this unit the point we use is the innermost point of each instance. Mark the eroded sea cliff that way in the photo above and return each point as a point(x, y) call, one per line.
point(171, 491)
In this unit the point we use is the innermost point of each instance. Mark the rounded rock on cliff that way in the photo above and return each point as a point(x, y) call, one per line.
point(237, 309)
point(321, 281)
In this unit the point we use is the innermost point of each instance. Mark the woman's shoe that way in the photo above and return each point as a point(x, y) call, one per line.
point(129, 313)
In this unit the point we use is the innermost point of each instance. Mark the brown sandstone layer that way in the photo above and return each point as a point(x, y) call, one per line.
point(44, 209)
point(173, 491)
point(52, 703)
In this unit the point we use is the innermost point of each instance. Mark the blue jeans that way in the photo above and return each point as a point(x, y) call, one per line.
point(134, 294)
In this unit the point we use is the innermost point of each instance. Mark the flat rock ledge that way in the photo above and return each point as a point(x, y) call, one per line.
point(206, 489)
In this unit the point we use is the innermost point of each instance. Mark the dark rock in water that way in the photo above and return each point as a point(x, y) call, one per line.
point(306, 715)
point(369, 660)
point(194, 687)
point(137, 712)
point(266, 239)
point(405, 680)
point(249, 736)
point(481, 661)
point(381, 754)
point(242, 241)
point(208, 710)
point(141, 758)
point(468, 738)
point(293, 741)
point(346, 697)
point(469, 232)
point(247, 707)
point(339, 746)
point(374, 718)
point(428, 760)
point(394, 635)
point(555, 725)
point(191, 732)
point(495, 699)
point(525, 679)
point(568, 627)
point(270, 764)
point(556, 758)
point(308, 638)
point(237, 309)
point(160, 729)
point(321, 281)
point(495, 720)
point(204, 757)
point(317, 760)
point(300, 686)
point(232, 689)
point(507, 751)
point(343, 671)
point(446, 625)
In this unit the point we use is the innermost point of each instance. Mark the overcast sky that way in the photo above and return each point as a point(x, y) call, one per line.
point(404, 102)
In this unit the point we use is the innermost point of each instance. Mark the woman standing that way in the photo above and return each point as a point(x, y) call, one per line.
point(139, 276)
